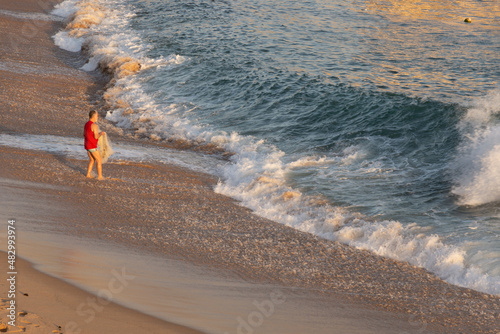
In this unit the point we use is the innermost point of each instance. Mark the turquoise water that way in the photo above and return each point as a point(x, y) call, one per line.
point(375, 123)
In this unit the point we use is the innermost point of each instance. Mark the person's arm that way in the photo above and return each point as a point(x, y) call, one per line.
point(95, 129)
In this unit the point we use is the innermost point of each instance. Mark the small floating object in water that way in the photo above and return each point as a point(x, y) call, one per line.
point(468, 20)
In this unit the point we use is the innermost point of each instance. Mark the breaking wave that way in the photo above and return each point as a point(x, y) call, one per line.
point(477, 166)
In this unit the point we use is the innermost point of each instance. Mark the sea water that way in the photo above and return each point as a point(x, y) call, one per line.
point(374, 123)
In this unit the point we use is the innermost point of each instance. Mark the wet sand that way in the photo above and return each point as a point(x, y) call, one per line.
point(197, 296)
point(173, 212)
point(49, 305)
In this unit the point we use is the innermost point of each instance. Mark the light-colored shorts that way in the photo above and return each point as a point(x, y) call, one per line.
point(92, 150)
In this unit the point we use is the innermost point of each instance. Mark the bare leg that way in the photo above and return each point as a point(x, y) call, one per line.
point(91, 165)
point(97, 157)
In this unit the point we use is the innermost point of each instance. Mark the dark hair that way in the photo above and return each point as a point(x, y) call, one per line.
point(92, 113)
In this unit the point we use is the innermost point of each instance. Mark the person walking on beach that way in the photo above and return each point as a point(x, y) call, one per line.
point(91, 134)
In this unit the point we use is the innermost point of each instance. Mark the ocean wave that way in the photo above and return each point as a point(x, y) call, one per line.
point(102, 33)
point(271, 199)
point(257, 174)
point(107, 48)
point(477, 166)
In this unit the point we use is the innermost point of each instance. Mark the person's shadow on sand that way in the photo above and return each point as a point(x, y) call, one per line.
point(63, 160)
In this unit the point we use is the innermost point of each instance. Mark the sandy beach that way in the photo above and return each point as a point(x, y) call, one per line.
point(47, 305)
point(170, 212)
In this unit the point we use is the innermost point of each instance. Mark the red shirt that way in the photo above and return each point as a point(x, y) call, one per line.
point(90, 141)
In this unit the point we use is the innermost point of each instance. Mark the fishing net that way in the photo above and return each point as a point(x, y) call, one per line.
point(105, 148)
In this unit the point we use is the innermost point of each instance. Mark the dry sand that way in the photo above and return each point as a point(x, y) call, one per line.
point(174, 212)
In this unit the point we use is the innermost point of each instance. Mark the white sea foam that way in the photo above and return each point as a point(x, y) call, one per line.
point(311, 161)
point(352, 154)
point(477, 166)
point(91, 65)
point(63, 40)
point(257, 175)
point(66, 8)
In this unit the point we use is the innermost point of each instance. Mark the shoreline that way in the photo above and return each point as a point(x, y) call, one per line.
point(186, 218)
